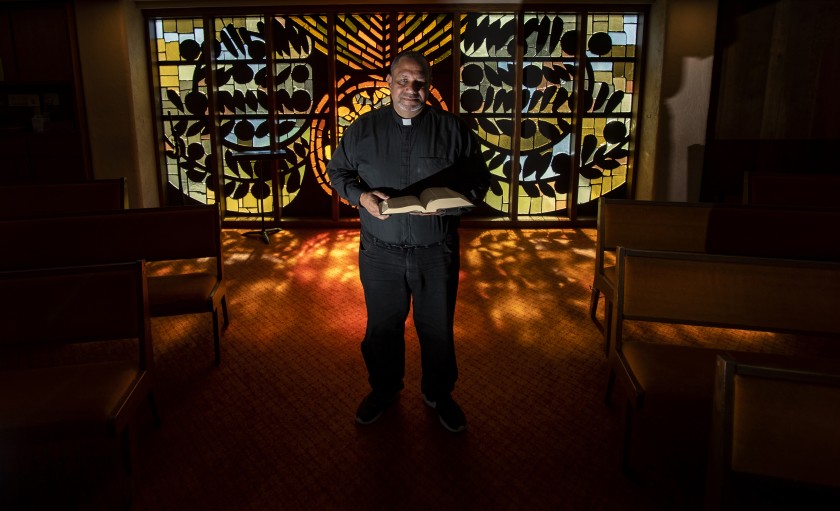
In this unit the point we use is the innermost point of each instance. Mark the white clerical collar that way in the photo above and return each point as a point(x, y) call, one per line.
point(408, 121)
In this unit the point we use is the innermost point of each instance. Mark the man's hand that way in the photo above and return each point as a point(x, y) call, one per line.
point(370, 201)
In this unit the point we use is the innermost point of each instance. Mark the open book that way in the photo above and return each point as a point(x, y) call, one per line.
point(429, 201)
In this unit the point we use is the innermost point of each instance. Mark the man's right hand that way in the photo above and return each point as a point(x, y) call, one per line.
point(370, 201)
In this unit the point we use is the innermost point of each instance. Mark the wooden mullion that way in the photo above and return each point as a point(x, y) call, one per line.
point(456, 63)
point(271, 89)
point(516, 137)
point(577, 117)
point(333, 102)
point(217, 167)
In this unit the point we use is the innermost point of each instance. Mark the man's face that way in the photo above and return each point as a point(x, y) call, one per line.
point(408, 87)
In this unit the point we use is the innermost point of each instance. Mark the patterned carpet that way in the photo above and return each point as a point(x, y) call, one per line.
point(273, 427)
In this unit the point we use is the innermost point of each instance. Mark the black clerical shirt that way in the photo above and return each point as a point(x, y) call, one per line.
point(383, 151)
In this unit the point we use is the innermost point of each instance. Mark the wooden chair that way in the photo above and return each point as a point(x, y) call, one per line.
point(737, 292)
point(778, 422)
point(152, 234)
point(95, 397)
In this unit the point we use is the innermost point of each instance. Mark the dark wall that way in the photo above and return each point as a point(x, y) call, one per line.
point(42, 136)
point(773, 105)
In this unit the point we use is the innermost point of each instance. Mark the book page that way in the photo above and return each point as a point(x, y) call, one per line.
point(442, 198)
point(403, 204)
point(430, 200)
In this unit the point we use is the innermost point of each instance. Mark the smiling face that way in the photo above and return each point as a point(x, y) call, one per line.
point(409, 85)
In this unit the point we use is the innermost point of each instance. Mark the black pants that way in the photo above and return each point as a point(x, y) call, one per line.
point(391, 278)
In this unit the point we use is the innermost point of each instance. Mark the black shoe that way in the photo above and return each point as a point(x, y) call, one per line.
point(449, 413)
point(372, 407)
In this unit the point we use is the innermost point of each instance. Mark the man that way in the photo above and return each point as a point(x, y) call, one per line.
point(401, 150)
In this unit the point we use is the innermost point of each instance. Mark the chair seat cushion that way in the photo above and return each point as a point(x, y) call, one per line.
point(85, 396)
point(667, 371)
point(181, 294)
point(678, 372)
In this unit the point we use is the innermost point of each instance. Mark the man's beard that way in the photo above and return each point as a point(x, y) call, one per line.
point(416, 104)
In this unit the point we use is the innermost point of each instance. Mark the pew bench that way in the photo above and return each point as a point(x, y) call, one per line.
point(80, 397)
point(151, 234)
point(51, 199)
point(805, 189)
point(726, 292)
point(734, 229)
point(775, 425)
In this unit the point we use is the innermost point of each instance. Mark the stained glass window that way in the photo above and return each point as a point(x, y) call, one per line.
point(487, 94)
point(183, 103)
point(548, 91)
point(610, 58)
point(251, 106)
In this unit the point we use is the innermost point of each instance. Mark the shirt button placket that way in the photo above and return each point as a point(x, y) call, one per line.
point(405, 162)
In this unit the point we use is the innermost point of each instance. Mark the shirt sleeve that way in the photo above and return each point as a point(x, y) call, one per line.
point(473, 177)
point(343, 172)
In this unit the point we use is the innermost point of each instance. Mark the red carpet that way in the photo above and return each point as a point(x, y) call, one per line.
point(273, 427)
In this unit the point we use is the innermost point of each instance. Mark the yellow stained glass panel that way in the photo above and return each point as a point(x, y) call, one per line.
point(173, 51)
point(186, 26)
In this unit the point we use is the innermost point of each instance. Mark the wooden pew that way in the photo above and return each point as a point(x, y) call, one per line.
point(735, 229)
point(730, 292)
point(151, 234)
point(88, 397)
point(774, 424)
point(792, 189)
point(51, 199)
